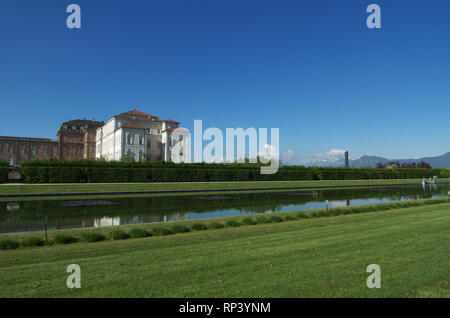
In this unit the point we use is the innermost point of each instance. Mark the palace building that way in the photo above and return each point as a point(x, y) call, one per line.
point(76, 140)
point(15, 150)
point(142, 137)
point(133, 134)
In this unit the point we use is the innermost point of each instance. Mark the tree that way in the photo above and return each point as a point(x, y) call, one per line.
point(128, 157)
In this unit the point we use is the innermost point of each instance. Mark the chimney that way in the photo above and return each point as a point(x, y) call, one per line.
point(346, 159)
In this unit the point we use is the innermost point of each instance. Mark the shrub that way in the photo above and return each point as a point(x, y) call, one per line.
point(138, 233)
point(33, 242)
point(248, 221)
point(64, 239)
point(8, 244)
point(346, 211)
point(290, 218)
point(118, 235)
point(180, 228)
point(334, 211)
point(276, 218)
point(216, 225)
point(92, 237)
point(232, 223)
point(262, 219)
point(357, 210)
point(161, 231)
point(199, 226)
point(302, 215)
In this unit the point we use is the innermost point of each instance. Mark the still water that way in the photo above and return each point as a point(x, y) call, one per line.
point(29, 215)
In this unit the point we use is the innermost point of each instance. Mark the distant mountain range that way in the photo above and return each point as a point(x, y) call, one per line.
point(370, 161)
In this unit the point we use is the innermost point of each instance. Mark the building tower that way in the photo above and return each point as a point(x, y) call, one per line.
point(346, 159)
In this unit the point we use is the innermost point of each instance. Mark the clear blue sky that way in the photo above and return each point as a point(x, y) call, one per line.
point(311, 68)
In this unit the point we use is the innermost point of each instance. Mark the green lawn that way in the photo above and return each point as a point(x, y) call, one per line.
point(115, 187)
point(317, 257)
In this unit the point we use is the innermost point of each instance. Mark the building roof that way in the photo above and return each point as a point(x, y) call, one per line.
point(139, 116)
point(84, 122)
point(171, 121)
point(11, 138)
point(131, 126)
point(78, 123)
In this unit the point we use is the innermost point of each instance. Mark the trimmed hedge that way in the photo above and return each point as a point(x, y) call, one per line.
point(8, 244)
point(65, 239)
point(33, 242)
point(138, 233)
point(116, 235)
point(101, 171)
point(92, 237)
point(4, 171)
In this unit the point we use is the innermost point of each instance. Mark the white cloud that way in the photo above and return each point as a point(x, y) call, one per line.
point(287, 156)
point(333, 154)
point(332, 157)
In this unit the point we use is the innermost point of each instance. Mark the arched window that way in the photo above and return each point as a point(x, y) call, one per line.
point(130, 139)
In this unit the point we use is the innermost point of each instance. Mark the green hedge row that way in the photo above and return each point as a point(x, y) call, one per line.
point(4, 170)
point(98, 171)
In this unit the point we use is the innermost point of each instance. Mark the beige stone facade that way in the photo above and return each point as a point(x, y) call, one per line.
point(76, 140)
point(15, 150)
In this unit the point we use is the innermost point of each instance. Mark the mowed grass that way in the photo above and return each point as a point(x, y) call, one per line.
point(317, 257)
point(12, 189)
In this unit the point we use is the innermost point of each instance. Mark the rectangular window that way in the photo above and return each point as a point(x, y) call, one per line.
point(73, 151)
point(64, 150)
point(10, 148)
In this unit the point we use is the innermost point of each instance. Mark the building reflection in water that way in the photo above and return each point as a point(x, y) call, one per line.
point(12, 207)
point(116, 221)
